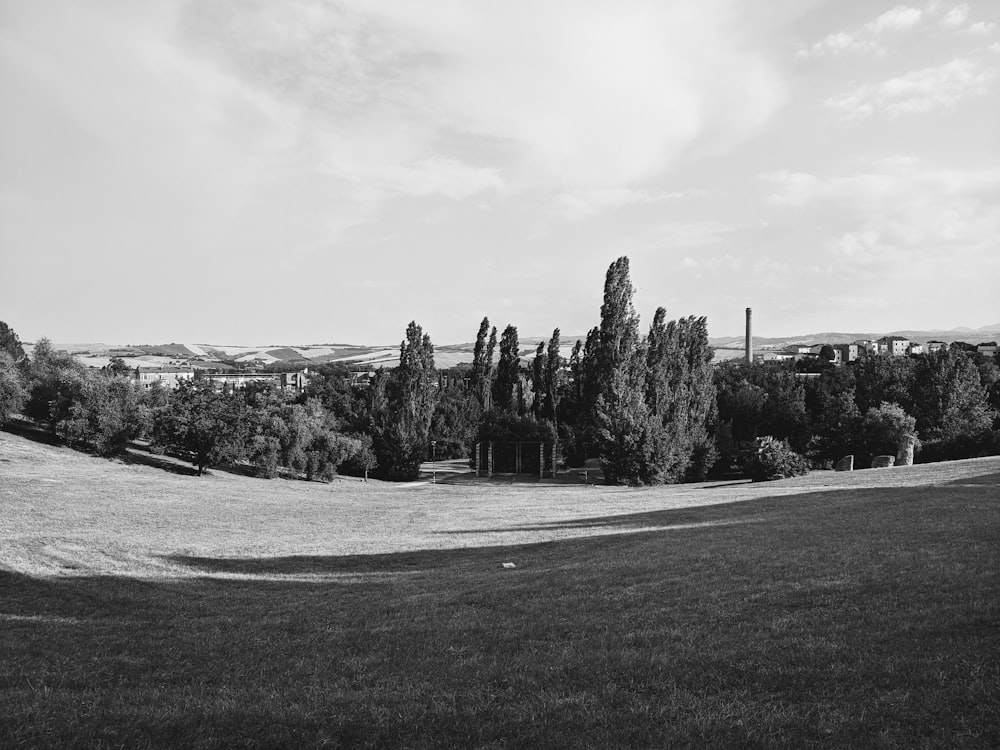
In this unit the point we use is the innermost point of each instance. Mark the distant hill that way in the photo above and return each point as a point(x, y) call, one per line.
point(445, 355)
point(988, 333)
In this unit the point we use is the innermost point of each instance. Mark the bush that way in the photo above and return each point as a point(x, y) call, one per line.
point(775, 459)
point(967, 446)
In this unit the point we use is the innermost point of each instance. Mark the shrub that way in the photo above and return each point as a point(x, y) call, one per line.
point(985, 443)
point(884, 429)
point(775, 459)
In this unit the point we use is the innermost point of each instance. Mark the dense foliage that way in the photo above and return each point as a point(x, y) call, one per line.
point(940, 405)
point(775, 459)
point(651, 408)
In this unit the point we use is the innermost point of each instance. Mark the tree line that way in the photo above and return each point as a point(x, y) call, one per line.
point(648, 404)
point(946, 404)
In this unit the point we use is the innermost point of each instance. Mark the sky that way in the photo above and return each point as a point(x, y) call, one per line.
point(310, 171)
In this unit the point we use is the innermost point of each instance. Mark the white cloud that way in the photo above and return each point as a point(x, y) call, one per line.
point(581, 204)
point(899, 18)
point(900, 230)
point(858, 247)
point(794, 188)
point(696, 234)
point(956, 16)
point(901, 208)
point(710, 263)
point(981, 27)
point(918, 91)
point(571, 95)
point(840, 43)
point(436, 176)
point(864, 39)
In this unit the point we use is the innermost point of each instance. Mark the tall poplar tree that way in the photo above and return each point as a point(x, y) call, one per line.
point(628, 435)
point(481, 377)
point(416, 379)
point(538, 372)
point(508, 373)
point(619, 330)
point(553, 378)
point(588, 387)
point(700, 409)
point(402, 428)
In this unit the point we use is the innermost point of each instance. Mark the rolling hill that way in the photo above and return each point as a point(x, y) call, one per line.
point(445, 355)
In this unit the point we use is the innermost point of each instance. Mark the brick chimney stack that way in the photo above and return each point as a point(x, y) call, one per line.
point(749, 342)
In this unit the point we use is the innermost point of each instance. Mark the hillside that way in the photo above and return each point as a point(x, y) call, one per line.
point(833, 337)
point(141, 608)
point(112, 516)
point(445, 355)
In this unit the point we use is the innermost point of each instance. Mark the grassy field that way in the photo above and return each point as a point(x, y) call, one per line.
point(146, 608)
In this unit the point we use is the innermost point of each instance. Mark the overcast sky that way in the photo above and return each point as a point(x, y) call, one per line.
point(305, 171)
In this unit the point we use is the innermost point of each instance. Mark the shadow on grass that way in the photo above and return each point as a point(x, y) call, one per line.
point(697, 519)
point(29, 430)
point(155, 461)
point(742, 511)
point(416, 561)
point(848, 618)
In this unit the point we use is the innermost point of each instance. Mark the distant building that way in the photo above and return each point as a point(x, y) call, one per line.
point(846, 352)
point(894, 346)
point(285, 381)
point(987, 350)
point(168, 377)
point(816, 350)
point(866, 346)
point(775, 356)
point(935, 346)
point(915, 348)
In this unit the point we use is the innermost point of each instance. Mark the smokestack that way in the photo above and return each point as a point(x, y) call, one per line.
point(749, 342)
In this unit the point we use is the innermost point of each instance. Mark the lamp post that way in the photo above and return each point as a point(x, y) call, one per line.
point(433, 464)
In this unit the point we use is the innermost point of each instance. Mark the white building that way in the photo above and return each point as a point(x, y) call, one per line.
point(168, 377)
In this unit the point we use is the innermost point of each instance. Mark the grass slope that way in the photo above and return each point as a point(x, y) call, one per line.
point(839, 616)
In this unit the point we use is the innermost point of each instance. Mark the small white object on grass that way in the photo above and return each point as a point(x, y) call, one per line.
point(509, 565)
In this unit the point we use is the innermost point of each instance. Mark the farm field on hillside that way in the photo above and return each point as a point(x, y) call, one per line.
point(142, 608)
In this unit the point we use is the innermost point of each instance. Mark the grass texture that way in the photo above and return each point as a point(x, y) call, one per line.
point(830, 614)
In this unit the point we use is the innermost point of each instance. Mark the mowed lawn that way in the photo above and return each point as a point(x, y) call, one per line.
point(143, 608)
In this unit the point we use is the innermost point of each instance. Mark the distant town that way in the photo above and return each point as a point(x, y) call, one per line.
point(287, 367)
